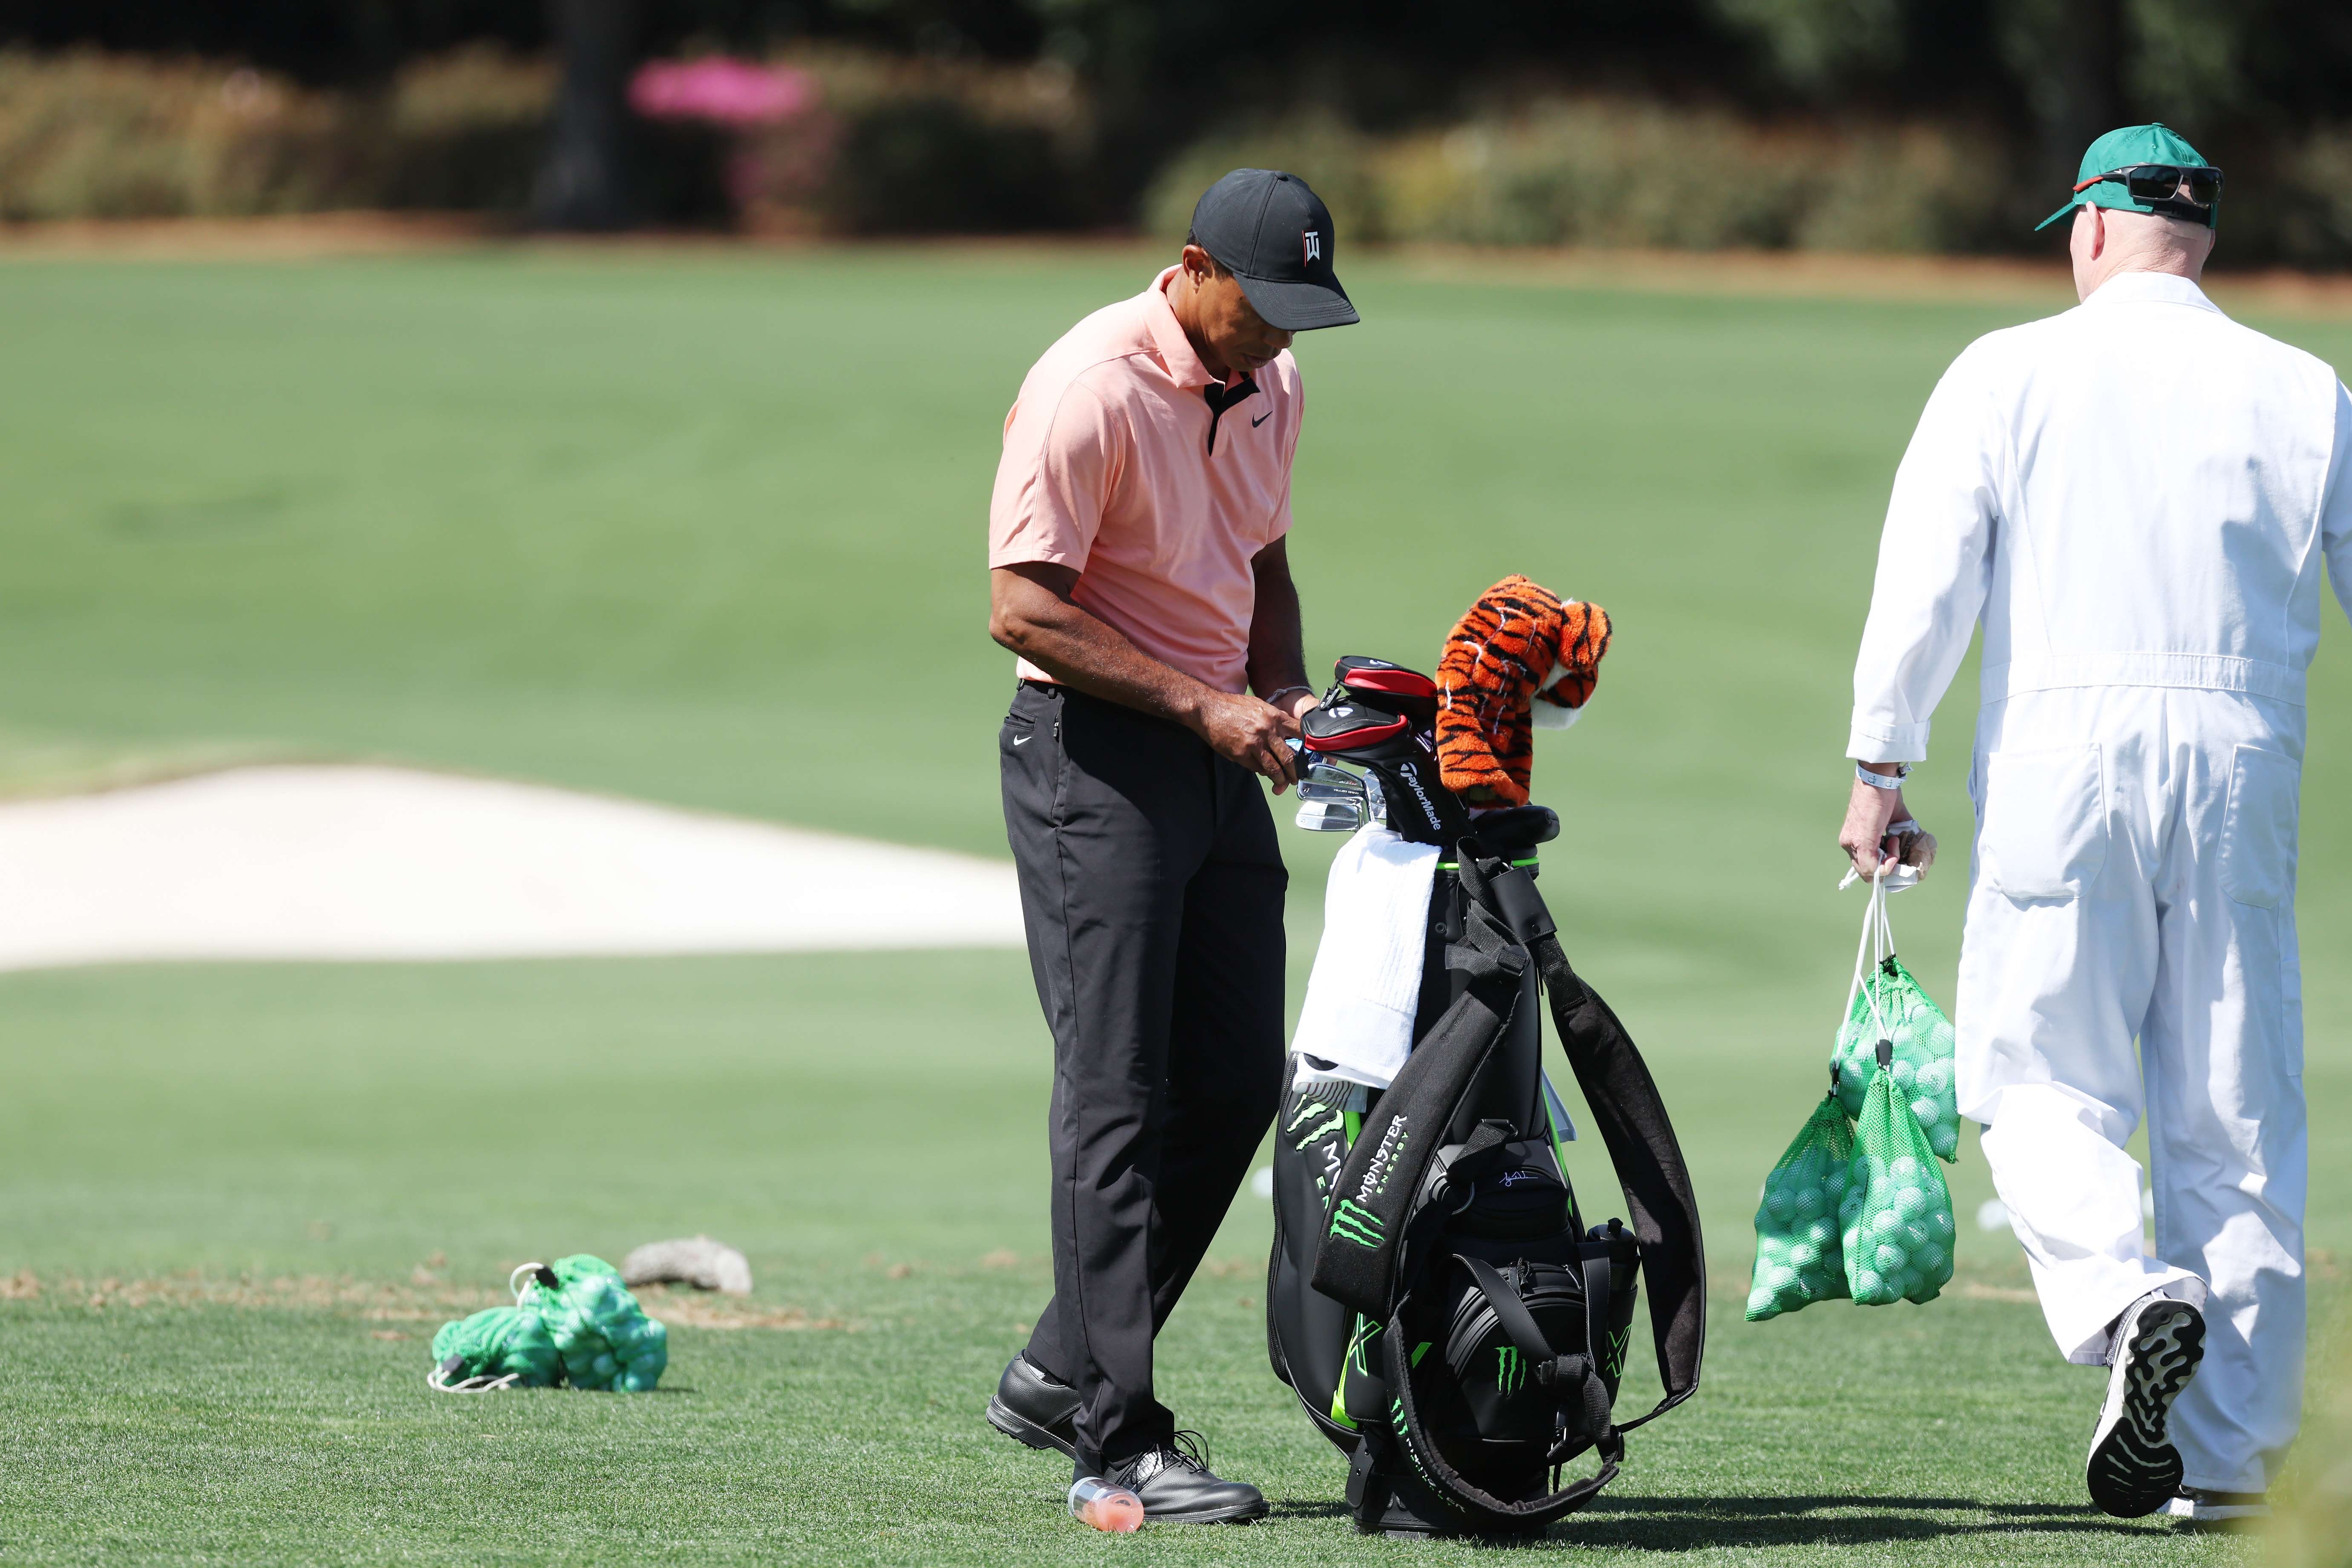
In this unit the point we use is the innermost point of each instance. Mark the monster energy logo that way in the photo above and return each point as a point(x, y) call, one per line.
point(1619, 1341)
point(1355, 1223)
point(1510, 1371)
point(1329, 1124)
point(1376, 1173)
point(1360, 1342)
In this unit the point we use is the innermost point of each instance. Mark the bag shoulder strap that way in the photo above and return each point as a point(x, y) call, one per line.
point(1361, 1255)
point(1632, 1116)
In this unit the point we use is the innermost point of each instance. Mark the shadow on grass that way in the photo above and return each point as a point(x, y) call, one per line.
point(1685, 1524)
point(1682, 1524)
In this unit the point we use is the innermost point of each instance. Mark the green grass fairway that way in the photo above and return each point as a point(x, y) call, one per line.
point(706, 529)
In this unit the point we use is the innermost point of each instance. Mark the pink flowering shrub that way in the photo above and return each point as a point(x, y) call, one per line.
point(722, 90)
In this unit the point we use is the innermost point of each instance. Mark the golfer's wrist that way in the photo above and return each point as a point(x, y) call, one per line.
point(1193, 704)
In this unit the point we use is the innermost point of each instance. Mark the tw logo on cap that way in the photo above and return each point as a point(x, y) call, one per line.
point(1311, 242)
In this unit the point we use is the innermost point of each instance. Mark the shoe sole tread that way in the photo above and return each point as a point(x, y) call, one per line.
point(2134, 1470)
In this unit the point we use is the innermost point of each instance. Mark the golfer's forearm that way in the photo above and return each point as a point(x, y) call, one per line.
point(1080, 651)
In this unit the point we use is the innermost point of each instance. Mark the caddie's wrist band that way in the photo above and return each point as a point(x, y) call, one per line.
point(1274, 697)
point(1880, 780)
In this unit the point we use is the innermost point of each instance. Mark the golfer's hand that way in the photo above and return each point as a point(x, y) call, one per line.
point(1297, 705)
point(1251, 733)
point(1865, 837)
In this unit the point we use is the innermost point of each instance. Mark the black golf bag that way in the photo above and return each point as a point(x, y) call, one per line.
point(1435, 1297)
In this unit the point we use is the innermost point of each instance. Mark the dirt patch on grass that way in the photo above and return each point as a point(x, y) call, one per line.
point(421, 1299)
point(297, 237)
point(1816, 275)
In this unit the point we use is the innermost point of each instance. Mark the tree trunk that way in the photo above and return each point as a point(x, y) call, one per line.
point(2068, 56)
point(583, 182)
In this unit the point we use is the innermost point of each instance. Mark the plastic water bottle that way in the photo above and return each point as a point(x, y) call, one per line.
point(1094, 1502)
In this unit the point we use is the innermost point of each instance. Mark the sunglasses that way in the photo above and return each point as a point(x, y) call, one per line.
point(2154, 183)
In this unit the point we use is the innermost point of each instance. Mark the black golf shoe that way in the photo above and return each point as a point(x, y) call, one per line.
point(1031, 1406)
point(1176, 1487)
point(2133, 1469)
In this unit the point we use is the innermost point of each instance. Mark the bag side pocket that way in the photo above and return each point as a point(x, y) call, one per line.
point(2259, 827)
point(2046, 822)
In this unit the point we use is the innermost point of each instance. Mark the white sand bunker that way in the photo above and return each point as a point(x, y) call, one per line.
point(361, 863)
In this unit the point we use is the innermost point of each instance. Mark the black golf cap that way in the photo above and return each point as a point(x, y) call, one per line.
point(1267, 229)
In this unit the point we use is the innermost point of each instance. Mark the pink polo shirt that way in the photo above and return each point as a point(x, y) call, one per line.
point(1108, 468)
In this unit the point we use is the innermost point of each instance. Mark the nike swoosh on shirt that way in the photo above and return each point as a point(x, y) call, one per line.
point(1024, 740)
point(1261, 419)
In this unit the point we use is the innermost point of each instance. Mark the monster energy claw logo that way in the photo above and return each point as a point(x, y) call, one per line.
point(1353, 1222)
point(1510, 1371)
point(1619, 1342)
point(1331, 1124)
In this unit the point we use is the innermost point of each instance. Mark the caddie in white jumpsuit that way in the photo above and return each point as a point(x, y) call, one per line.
point(2135, 499)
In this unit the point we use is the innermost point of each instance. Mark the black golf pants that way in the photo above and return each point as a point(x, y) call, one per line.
point(1151, 887)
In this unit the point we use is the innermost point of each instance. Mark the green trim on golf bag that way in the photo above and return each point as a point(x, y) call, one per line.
point(1376, 1255)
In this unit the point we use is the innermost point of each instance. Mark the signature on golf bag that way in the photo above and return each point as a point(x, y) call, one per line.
point(1434, 1296)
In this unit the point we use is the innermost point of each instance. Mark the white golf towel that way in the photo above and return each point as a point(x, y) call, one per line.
point(1366, 986)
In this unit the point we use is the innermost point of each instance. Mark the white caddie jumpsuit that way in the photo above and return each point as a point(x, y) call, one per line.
point(2135, 499)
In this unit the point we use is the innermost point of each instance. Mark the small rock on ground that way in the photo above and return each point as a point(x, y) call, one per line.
point(696, 1260)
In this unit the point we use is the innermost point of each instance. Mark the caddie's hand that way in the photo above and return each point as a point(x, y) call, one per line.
point(1915, 845)
point(1865, 838)
point(1251, 733)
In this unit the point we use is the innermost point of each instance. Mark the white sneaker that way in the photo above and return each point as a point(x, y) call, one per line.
point(2133, 1469)
point(2197, 1508)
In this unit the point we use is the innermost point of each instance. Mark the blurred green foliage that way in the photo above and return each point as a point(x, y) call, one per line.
point(1972, 111)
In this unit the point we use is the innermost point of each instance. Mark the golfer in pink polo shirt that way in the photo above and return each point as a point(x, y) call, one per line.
point(1136, 567)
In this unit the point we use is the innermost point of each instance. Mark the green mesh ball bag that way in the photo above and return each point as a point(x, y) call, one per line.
point(1896, 1214)
point(498, 1347)
point(572, 1321)
point(1888, 1004)
point(604, 1336)
point(1799, 1257)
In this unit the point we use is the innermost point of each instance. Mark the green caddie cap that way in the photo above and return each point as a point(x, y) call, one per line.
point(2153, 143)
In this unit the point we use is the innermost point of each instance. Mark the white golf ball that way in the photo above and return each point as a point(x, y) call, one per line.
point(1810, 1200)
point(1933, 1259)
point(1903, 1074)
point(1760, 1303)
point(1935, 1078)
point(1885, 1222)
point(1776, 1204)
point(1890, 1258)
point(1803, 1255)
point(1866, 1284)
point(1944, 1140)
point(1939, 1221)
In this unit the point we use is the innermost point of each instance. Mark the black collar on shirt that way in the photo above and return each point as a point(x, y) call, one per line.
point(1222, 398)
